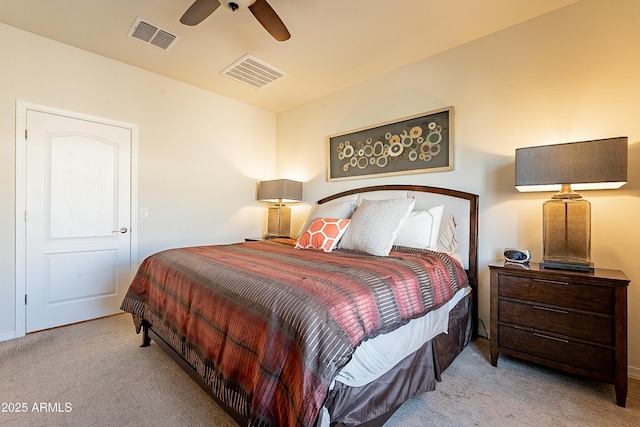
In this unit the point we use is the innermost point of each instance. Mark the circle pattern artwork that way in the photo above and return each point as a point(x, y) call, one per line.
point(360, 154)
point(417, 144)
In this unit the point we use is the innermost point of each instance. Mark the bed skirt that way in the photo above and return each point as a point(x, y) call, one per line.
point(375, 402)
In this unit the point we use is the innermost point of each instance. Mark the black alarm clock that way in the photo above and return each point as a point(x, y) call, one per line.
point(519, 256)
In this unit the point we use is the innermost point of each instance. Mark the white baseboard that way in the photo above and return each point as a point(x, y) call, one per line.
point(7, 336)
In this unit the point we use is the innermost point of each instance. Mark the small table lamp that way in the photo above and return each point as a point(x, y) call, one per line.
point(279, 190)
point(588, 165)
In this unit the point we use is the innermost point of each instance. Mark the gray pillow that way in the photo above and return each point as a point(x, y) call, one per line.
point(374, 225)
point(340, 210)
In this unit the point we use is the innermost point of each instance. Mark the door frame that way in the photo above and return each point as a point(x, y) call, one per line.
point(21, 197)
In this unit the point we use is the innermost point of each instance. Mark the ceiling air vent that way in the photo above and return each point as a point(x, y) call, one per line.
point(252, 71)
point(151, 34)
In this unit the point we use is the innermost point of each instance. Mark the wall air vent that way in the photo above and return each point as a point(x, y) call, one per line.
point(152, 34)
point(252, 71)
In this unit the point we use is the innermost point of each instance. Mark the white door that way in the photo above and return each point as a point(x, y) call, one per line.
point(78, 242)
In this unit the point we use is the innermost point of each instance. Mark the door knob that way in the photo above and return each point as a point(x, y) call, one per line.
point(122, 230)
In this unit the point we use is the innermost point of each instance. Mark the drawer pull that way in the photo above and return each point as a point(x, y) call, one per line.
point(555, 310)
point(550, 338)
point(552, 282)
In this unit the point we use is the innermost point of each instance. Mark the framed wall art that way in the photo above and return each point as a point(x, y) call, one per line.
point(416, 144)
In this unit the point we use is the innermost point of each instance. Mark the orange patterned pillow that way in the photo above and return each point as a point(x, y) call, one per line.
point(323, 234)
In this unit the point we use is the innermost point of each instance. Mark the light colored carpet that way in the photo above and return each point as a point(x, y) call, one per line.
point(94, 374)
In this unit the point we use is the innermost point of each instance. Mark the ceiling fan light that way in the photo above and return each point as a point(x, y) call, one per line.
point(237, 4)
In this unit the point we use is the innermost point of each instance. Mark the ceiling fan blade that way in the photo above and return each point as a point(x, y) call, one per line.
point(198, 11)
point(270, 20)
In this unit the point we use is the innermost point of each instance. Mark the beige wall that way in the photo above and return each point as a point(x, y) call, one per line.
point(568, 76)
point(200, 154)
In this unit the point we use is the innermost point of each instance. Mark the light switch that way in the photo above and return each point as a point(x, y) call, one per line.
point(144, 212)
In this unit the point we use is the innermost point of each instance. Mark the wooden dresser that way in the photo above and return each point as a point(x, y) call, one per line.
point(571, 321)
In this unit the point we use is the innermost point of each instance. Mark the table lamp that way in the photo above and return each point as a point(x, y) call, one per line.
point(588, 165)
point(279, 191)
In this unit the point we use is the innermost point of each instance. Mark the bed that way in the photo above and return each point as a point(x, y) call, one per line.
point(337, 327)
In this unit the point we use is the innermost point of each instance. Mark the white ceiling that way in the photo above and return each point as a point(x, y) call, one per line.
point(334, 43)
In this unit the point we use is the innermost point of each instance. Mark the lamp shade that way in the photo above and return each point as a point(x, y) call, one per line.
point(280, 189)
point(587, 165)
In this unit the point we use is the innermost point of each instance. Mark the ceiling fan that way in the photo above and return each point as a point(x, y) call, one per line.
point(263, 12)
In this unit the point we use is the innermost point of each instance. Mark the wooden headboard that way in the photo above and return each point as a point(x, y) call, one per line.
point(463, 206)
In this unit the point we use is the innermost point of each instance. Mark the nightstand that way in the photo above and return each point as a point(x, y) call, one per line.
point(567, 320)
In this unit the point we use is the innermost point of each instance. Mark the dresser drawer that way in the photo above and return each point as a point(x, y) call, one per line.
point(600, 329)
point(599, 299)
point(583, 356)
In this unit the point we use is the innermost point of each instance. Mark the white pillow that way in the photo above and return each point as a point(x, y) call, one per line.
point(421, 229)
point(328, 210)
point(375, 224)
point(447, 239)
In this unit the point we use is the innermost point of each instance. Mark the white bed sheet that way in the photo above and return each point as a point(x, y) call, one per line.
point(376, 356)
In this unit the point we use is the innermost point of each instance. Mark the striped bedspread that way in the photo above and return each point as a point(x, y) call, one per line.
point(269, 326)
